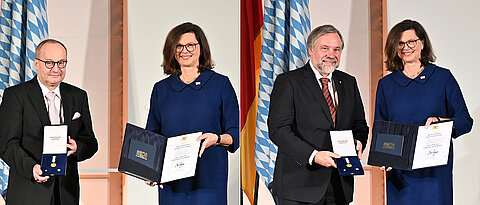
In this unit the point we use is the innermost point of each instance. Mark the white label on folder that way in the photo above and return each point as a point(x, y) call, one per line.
point(343, 143)
point(55, 139)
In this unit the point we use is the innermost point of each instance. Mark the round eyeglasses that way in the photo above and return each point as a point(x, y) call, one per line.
point(410, 44)
point(51, 64)
point(189, 46)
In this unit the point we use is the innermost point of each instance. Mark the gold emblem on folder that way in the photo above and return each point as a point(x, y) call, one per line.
point(141, 154)
point(388, 145)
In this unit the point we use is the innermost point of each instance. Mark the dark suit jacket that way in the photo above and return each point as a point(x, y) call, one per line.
point(299, 123)
point(23, 114)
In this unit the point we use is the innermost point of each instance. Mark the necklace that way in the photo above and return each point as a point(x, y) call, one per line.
point(415, 74)
point(189, 81)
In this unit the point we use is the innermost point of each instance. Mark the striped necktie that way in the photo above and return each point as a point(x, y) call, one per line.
point(329, 99)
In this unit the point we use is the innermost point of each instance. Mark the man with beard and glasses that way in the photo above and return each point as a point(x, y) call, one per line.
point(305, 105)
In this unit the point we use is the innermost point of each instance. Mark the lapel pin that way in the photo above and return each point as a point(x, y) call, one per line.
point(198, 83)
point(422, 77)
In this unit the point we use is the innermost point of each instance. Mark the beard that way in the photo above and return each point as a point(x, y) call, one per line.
point(327, 69)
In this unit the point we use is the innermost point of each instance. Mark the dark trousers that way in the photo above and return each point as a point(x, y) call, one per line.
point(333, 196)
point(56, 194)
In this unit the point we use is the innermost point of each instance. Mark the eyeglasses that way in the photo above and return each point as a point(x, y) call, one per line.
point(189, 46)
point(51, 64)
point(410, 44)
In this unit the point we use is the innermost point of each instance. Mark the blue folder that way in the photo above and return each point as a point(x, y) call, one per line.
point(143, 153)
point(393, 144)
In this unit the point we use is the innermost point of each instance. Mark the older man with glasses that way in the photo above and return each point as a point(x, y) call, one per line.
point(26, 109)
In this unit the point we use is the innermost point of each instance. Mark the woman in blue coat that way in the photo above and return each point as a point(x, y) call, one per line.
point(419, 92)
point(194, 98)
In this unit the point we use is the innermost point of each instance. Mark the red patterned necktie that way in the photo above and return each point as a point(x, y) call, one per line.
point(329, 99)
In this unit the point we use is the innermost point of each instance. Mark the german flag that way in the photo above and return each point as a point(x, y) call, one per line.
point(250, 51)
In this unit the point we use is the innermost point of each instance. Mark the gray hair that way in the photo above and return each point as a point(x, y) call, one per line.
point(320, 31)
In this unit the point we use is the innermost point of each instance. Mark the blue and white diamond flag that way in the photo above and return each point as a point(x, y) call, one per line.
point(286, 25)
point(4, 170)
point(23, 24)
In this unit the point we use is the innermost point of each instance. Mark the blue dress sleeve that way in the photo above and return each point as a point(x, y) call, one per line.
point(154, 118)
point(456, 107)
point(230, 113)
point(381, 112)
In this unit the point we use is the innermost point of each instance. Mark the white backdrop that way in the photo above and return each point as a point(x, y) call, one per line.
point(454, 30)
point(149, 21)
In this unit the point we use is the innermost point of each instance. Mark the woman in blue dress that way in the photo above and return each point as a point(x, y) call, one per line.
point(192, 98)
point(419, 92)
